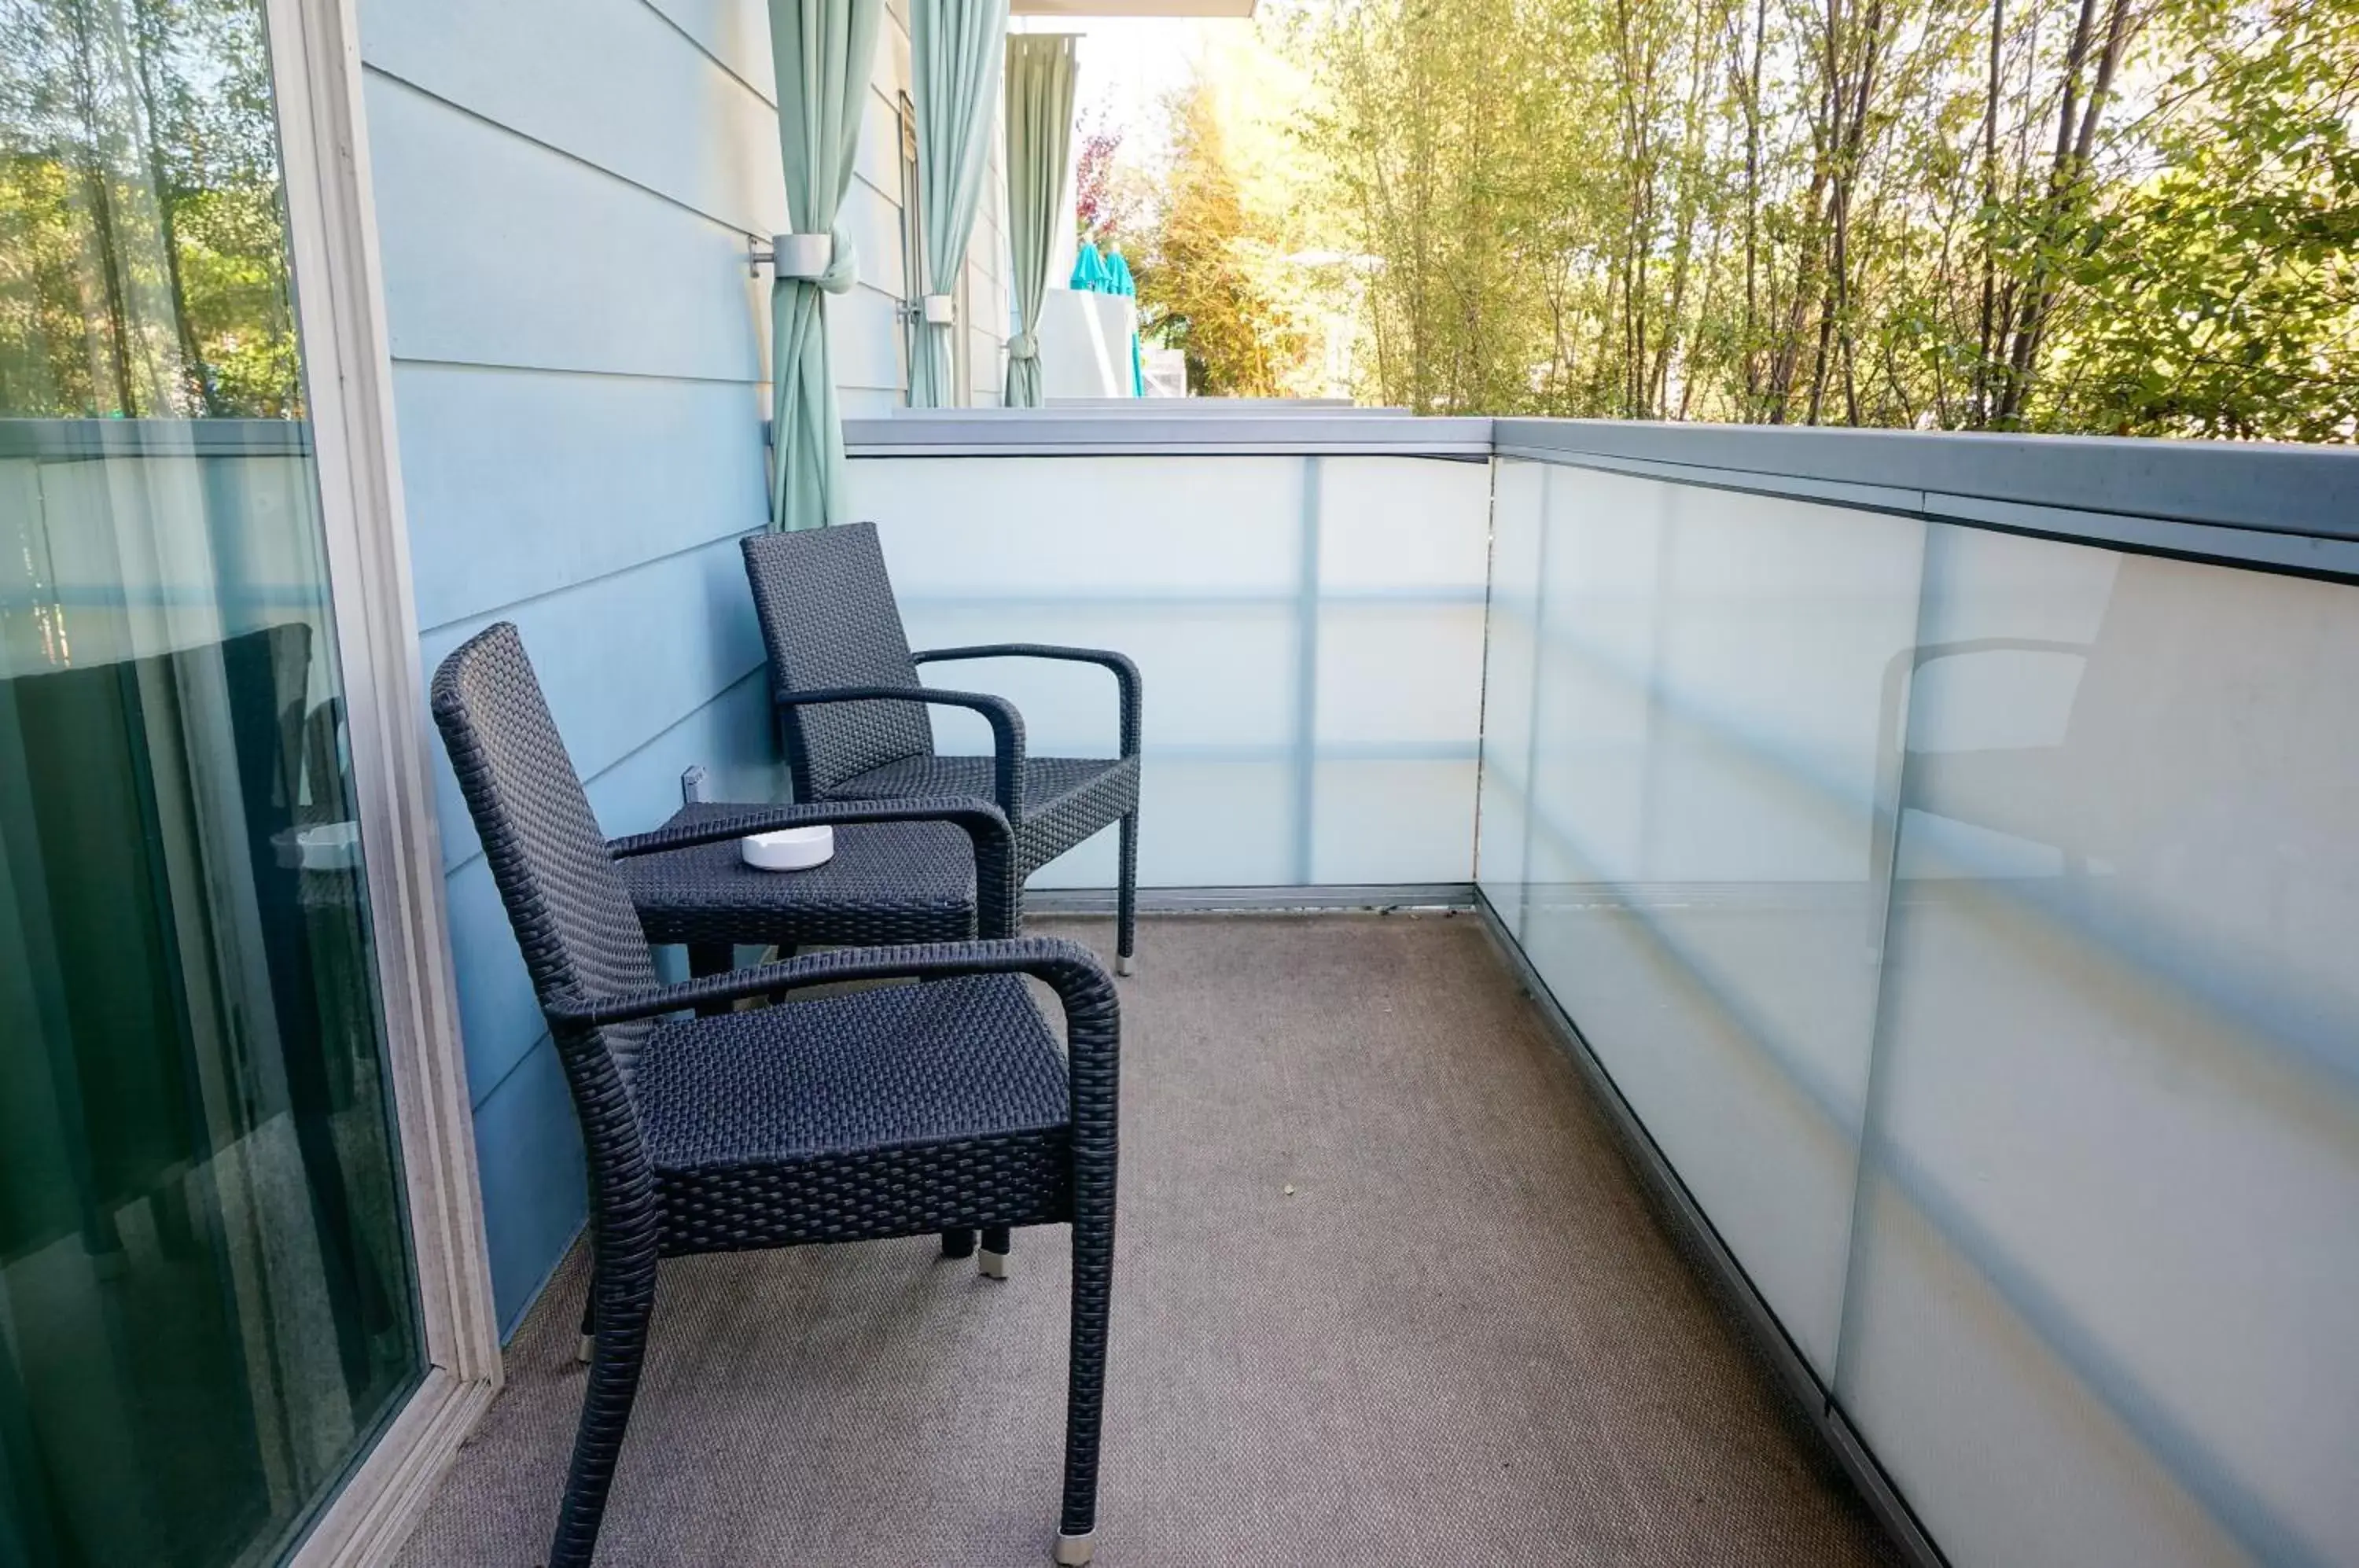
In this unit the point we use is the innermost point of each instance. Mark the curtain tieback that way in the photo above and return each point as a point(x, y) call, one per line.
point(1024, 345)
point(830, 260)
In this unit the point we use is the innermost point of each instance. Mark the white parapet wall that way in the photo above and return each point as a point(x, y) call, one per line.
point(1085, 344)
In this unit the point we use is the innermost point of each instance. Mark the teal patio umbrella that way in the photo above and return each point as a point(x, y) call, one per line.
point(1119, 281)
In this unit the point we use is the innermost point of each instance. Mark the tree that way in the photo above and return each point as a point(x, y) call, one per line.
point(143, 267)
point(1106, 197)
point(2042, 214)
point(2221, 296)
point(1201, 284)
point(1217, 268)
point(1427, 131)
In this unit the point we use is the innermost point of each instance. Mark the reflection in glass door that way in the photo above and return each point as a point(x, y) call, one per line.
point(206, 1300)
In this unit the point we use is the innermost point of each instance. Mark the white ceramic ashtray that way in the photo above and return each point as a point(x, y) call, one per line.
point(789, 849)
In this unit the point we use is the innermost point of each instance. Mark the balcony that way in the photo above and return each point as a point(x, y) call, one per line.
point(1855, 1059)
point(1709, 995)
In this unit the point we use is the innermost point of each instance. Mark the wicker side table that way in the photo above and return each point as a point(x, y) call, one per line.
point(889, 883)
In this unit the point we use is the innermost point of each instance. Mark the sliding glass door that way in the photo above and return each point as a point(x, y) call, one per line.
point(207, 1301)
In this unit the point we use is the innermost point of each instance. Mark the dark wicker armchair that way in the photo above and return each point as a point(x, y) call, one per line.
point(884, 1112)
point(840, 666)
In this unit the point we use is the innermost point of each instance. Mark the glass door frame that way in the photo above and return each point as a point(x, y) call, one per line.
point(348, 376)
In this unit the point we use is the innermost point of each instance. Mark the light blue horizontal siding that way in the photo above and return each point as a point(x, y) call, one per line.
point(564, 190)
point(534, 1180)
point(864, 343)
point(736, 33)
point(620, 660)
point(612, 83)
point(729, 737)
point(876, 162)
point(523, 481)
point(497, 250)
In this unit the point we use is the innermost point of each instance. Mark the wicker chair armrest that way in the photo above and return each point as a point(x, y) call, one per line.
point(1007, 727)
point(1125, 672)
point(1092, 1014)
point(995, 884)
point(979, 817)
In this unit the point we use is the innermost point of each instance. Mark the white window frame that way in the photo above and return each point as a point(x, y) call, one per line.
point(909, 307)
point(348, 377)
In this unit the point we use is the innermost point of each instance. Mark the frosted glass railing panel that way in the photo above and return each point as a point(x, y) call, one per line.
point(1386, 528)
point(1045, 527)
point(1404, 557)
point(1229, 700)
point(1511, 665)
point(1701, 771)
point(1398, 699)
point(2101, 1305)
point(1309, 630)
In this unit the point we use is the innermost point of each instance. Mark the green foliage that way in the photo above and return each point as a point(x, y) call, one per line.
point(1212, 277)
point(2112, 215)
point(2221, 296)
point(1434, 140)
point(143, 267)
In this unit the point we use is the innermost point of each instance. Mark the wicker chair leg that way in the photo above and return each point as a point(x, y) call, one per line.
point(1085, 1388)
point(996, 1245)
point(1126, 927)
point(958, 1244)
point(622, 1309)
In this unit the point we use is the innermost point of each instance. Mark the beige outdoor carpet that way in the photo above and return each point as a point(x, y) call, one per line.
point(1387, 1293)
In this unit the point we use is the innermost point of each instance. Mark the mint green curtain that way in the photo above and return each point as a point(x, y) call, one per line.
point(822, 49)
point(954, 47)
point(1040, 72)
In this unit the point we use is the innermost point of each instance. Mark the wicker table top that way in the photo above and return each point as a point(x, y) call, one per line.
point(888, 882)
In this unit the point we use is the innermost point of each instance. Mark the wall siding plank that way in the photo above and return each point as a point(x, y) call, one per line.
point(529, 1149)
point(523, 481)
point(734, 32)
point(610, 82)
point(496, 250)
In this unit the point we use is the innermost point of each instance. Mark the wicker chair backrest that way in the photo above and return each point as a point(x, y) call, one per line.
point(829, 620)
point(572, 917)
